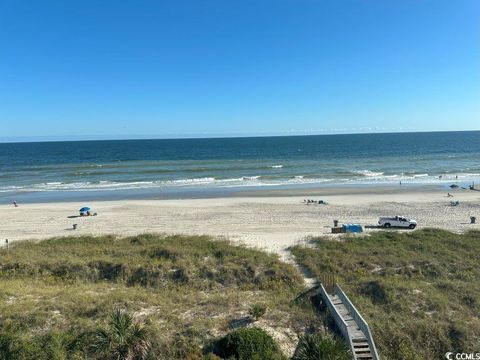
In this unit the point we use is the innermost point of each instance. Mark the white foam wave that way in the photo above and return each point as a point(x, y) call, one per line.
point(194, 181)
point(371, 178)
point(205, 181)
point(369, 173)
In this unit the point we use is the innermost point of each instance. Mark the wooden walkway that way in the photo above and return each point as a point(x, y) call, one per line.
point(361, 349)
point(351, 324)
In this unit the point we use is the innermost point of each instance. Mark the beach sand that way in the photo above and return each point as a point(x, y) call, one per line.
point(270, 221)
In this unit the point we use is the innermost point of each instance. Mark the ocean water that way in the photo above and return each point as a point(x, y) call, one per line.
point(237, 163)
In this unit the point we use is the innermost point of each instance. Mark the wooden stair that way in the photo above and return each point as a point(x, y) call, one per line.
point(361, 349)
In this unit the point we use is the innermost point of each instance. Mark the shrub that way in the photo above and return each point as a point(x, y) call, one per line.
point(320, 347)
point(248, 344)
point(257, 311)
point(124, 339)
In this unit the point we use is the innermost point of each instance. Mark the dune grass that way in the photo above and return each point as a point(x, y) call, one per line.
point(188, 290)
point(419, 291)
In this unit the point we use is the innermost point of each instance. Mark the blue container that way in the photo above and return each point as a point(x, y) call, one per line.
point(352, 228)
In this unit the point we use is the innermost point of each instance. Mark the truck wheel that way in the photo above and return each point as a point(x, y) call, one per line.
point(387, 225)
point(411, 226)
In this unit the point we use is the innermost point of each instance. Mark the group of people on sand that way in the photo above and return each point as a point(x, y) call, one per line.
point(309, 201)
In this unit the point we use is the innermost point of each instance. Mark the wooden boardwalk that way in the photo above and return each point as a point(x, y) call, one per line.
point(359, 342)
point(351, 324)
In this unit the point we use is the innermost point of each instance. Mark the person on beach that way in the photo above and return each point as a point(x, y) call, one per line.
point(15, 203)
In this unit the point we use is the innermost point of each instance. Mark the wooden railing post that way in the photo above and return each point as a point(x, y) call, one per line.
point(328, 280)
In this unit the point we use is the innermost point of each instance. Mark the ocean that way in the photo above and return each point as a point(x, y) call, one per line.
point(187, 167)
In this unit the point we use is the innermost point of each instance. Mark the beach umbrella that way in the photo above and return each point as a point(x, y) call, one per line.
point(84, 209)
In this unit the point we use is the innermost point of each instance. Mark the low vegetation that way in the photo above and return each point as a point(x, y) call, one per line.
point(248, 344)
point(169, 297)
point(189, 297)
point(320, 346)
point(419, 291)
point(122, 339)
point(256, 311)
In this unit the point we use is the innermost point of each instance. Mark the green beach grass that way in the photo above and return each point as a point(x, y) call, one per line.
point(187, 290)
point(419, 291)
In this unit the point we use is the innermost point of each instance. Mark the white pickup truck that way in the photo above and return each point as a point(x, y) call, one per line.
point(397, 221)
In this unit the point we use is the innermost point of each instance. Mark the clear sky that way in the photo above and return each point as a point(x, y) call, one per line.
point(128, 68)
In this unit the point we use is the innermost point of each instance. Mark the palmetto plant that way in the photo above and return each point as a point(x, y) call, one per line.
point(122, 339)
point(321, 347)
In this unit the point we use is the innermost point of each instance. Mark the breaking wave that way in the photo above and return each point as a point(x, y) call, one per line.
point(368, 177)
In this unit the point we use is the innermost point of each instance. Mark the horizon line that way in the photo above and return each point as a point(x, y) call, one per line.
point(83, 138)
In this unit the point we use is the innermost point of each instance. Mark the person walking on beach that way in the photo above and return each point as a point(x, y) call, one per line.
point(15, 203)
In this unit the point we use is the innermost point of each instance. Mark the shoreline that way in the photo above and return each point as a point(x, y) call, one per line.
point(178, 193)
point(347, 189)
point(270, 220)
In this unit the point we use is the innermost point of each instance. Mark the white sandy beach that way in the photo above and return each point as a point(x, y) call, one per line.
point(271, 223)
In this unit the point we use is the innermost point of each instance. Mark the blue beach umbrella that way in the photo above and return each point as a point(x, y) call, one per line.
point(84, 209)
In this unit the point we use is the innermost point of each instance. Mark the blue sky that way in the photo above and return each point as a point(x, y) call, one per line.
point(213, 68)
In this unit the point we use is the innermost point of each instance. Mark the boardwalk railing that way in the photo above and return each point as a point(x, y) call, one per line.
point(341, 324)
point(362, 324)
point(328, 280)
